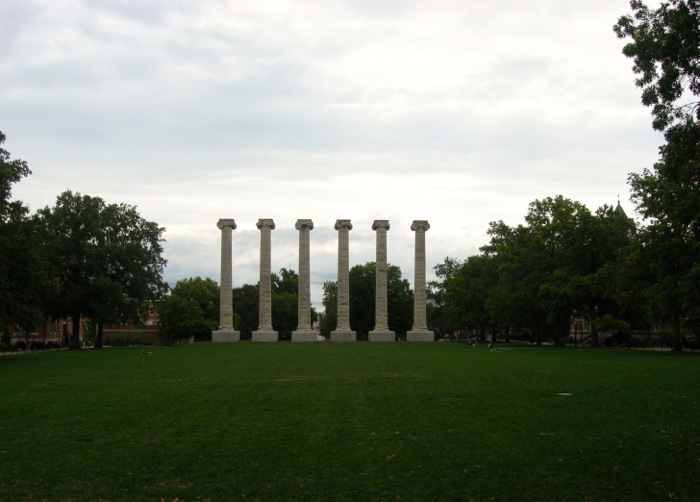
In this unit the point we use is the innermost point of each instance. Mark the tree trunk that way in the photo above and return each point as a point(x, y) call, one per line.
point(75, 335)
point(677, 342)
point(595, 341)
point(98, 337)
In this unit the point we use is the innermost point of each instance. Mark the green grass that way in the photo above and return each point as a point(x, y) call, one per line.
point(402, 421)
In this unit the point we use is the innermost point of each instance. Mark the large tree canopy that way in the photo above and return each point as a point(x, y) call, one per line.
point(105, 260)
point(668, 196)
point(533, 277)
point(20, 266)
point(665, 47)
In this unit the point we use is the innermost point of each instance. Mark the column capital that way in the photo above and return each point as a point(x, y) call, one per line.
point(343, 224)
point(226, 222)
point(304, 224)
point(265, 222)
point(420, 225)
point(380, 224)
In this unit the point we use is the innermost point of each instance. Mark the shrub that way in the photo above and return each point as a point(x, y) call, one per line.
point(125, 338)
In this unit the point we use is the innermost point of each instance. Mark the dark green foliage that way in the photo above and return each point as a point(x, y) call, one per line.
point(21, 277)
point(669, 198)
point(11, 172)
point(363, 301)
point(246, 307)
point(665, 47)
point(466, 292)
point(535, 276)
point(329, 321)
point(191, 310)
point(104, 261)
point(400, 302)
point(285, 303)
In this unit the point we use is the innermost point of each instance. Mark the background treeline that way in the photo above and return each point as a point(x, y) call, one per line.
point(192, 307)
point(86, 259)
point(532, 278)
point(566, 261)
point(191, 310)
point(80, 259)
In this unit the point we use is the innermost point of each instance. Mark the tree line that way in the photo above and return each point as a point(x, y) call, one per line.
point(85, 258)
point(568, 261)
point(191, 310)
point(192, 307)
point(81, 258)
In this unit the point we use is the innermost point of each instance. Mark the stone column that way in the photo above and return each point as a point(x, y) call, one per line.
point(226, 333)
point(420, 332)
point(381, 332)
point(343, 332)
point(304, 332)
point(265, 333)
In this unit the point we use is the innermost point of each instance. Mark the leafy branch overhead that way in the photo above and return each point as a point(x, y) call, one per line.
point(665, 48)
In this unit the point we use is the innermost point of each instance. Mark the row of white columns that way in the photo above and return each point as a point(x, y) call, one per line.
point(304, 332)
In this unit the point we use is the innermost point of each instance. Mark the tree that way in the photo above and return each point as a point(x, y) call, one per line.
point(400, 302)
point(330, 306)
point(246, 305)
point(440, 314)
point(11, 172)
point(191, 310)
point(467, 292)
point(285, 306)
point(20, 264)
point(669, 198)
point(665, 48)
point(547, 269)
point(363, 301)
point(104, 260)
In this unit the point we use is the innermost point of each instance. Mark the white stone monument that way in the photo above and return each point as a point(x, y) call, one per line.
point(265, 333)
point(304, 332)
point(419, 332)
point(343, 333)
point(381, 332)
point(226, 333)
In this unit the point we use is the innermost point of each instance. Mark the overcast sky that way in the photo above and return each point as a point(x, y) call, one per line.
point(456, 112)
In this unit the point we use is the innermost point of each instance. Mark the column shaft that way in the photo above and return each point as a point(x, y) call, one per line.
point(343, 332)
point(226, 333)
point(381, 332)
point(304, 333)
point(420, 329)
point(265, 332)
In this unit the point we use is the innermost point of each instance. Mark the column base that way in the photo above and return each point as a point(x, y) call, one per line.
point(265, 336)
point(382, 336)
point(420, 336)
point(304, 336)
point(225, 335)
point(343, 336)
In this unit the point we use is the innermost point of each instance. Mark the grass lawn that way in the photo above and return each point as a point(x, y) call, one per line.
point(362, 421)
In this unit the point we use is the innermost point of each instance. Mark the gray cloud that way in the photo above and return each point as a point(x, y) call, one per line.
point(457, 112)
